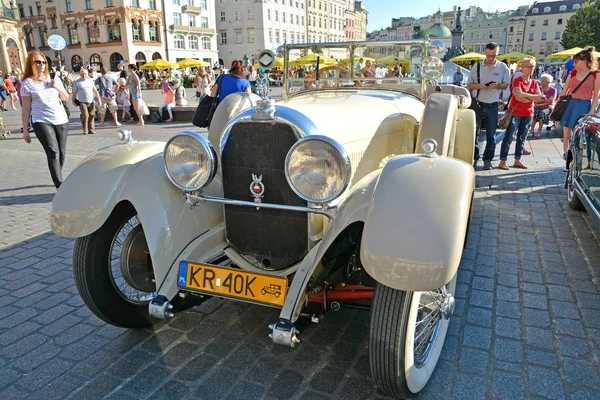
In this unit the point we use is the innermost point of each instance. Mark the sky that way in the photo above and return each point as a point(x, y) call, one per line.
point(381, 12)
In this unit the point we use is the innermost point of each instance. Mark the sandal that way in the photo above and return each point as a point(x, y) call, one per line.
point(503, 166)
point(519, 164)
point(538, 135)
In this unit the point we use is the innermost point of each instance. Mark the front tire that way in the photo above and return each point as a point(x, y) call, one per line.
point(113, 271)
point(401, 366)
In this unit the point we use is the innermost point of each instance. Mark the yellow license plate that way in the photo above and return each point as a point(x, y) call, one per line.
point(227, 282)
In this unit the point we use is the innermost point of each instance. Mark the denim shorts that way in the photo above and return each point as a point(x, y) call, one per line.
point(575, 109)
point(3, 95)
point(135, 96)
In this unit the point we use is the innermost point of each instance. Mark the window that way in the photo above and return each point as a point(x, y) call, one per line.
point(114, 31)
point(205, 43)
point(546, 9)
point(153, 31)
point(204, 22)
point(542, 49)
point(543, 36)
point(277, 37)
point(531, 36)
point(53, 21)
point(532, 22)
point(545, 22)
point(178, 41)
point(203, 4)
point(562, 8)
point(152, 4)
point(511, 29)
point(109, 3)
point(268, 14)
point(135, 3)
point(88, 4)
point(136, 29)
point(177, 2)
point(276, 15)
point(534, 11)
point(223, 37)
point(38, 6)
point(93, 32)
point(156, 56)
point(29, 41)
point(236, 15)
point(555, 48)
point(21, 11)
point(251, 13)
point(297, 20)
point(69, 5)
point(303, 20)
point(96, 61)
point(472, 35)
point(115, 59)
point(556, 35)
point(222, 16)
point(43, 35)
point(191, 20)
point(238, 37)
point(282, 17)
point(576, 6)
point(193, 41)
point(30, 11)
point(559, 22)
point(177, 18)
point(76, 63)
point(271, 37)
point(73, 34)
point(520, 29)
point(251, 36)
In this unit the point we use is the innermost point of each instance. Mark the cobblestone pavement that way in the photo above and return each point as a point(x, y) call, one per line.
point(527, 322)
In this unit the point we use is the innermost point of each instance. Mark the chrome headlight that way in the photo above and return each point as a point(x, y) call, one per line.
point(190, 161)
point(318, 169)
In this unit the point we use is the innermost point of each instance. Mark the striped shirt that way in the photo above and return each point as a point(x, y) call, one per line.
point(46, 105)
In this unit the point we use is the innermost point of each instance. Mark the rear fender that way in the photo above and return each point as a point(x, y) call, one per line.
point(417, 221)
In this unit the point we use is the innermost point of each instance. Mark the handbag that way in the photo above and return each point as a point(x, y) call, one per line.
point(207, 108)
point(143, 108)
point(563, 102)
point(504, 122)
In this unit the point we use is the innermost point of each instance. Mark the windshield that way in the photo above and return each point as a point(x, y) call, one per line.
point(393, 65)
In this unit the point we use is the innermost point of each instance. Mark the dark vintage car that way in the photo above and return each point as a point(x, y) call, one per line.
point(583, 182)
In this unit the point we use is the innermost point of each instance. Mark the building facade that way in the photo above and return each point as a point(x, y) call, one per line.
point(361, 20)
point(191, 30)
point(98, 32)
point(545, 24)
point(245, 28)
point(483, 28)
point(12, 44)
point(516, 30)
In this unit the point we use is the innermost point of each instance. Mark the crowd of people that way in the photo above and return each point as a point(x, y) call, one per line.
point(493, 86)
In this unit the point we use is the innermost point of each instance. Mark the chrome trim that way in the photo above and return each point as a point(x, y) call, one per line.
point(210, 151)
point(431, 154)
point(590, 205)
point(193, 200)
point(303, 126)
point(265, 110)
point(124, 135)
point(345, 159)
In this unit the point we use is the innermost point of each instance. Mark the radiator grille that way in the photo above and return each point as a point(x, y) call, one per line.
point(272, 239)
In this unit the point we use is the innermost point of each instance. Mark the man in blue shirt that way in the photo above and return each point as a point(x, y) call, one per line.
point(569, 66)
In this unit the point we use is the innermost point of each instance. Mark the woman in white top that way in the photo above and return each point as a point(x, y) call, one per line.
point(202, 83)
point(42, 101)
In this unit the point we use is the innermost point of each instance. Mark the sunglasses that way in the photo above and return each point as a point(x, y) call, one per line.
point(40, 62)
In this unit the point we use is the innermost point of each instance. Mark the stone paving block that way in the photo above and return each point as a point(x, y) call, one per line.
point(44, 374)
point(12, 393)
point(477, 337)
point(564, 309)
point(449, 349)
point(147, 381)
point(534, 288)
point(504, 293)
point(355, 389)
point(591, 317)
point(479, 316)
point(468, 387)
point(508, 350)
point(588, 300)
point(507, 327)
point(217, 384)
point(327, 379)
point(73, 334)
point(175, 390)
point(542, 358)
point(482, 283)
point(98, 388)
point(570, 327)
point(546, 383)
point(532, 300)
point(507, 309)
point(473, 361)
point(585, 395)
point(508, 386)
point(581, 373)
point(508, 280)
point(539, 318)
point(481, 298)
point(541, 338)
point(572, 347)
point(532, 277)
point(23, 346)
point(38, 356)
point(8, 376)
point(91, 365)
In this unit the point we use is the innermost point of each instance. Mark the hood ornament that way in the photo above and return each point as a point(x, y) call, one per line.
point(257, 188)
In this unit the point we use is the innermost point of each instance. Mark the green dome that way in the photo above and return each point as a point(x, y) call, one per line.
point(439, 31)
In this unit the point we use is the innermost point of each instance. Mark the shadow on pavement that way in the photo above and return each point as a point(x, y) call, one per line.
point(27, 199)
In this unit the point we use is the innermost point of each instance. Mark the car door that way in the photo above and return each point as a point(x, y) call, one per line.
point(593, 176)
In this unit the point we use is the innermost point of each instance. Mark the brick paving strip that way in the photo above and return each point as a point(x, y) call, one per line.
point(527, 321)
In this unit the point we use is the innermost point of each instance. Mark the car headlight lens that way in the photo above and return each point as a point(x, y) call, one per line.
point(190, 161)
point(318, 169)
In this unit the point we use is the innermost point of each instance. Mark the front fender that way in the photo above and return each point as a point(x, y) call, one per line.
point(90, 193)
point(416, 223)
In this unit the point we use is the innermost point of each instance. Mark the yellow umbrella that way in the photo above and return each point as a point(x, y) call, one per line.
point(389, 61)
point(192, 62)
point(513, 57)
point(346, 61)
point(312, 59)
point(279, 63)
point(468, 58)
point(562, 55)
point(159, 64)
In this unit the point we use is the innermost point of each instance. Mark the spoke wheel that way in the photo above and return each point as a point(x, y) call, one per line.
point(113, 272)
point(407, 333)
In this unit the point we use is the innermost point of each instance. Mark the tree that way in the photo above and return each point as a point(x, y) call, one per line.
point(530, 53)
point(583, 28)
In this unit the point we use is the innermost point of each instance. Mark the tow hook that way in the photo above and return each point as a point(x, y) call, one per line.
point(284, 333)
point(160, 308)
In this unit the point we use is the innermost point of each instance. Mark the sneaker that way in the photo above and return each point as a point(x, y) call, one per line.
point(118, 123)
point(475, 163)
point(526, 152)
point(487, 165)
point(565, 154)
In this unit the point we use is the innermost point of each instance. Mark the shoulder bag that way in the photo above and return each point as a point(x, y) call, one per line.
point(207, 107)
point(506, 119)
point(563, 102)
point(474, 101)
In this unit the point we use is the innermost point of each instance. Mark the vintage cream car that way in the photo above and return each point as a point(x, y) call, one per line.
point(353, 191)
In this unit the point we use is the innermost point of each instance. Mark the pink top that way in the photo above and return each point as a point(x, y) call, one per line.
point(586, 91)
point(170, 96)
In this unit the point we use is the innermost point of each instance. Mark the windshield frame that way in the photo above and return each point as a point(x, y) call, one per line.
point(351, 47)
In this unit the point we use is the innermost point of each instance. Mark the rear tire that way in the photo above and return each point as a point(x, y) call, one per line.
point(572, 197)
point(109, 270)
point(399, 368)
